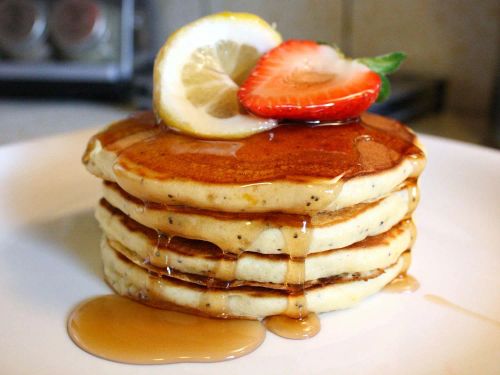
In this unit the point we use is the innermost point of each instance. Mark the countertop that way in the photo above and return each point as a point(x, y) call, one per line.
point(26, 119)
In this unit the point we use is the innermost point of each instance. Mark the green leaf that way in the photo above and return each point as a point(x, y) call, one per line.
point(384, 64)
point(385, 88)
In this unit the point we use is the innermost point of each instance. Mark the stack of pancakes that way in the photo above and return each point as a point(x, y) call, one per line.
point(293, 220)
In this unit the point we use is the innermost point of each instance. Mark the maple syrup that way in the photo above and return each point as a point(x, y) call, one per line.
point(438, 300)
point(118, 329)
point(290, 328)
point(295, 152)
point(402, 284)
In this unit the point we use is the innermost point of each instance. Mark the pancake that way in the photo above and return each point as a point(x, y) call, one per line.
point(145, 246)
point(302, 218)
point(293, 168)
point(128, 279)
point(271, 233)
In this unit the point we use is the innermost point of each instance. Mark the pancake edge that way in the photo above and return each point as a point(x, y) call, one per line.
point(130, 280)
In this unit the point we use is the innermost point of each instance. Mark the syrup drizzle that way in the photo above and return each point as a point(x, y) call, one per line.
point(247, 227)
point(176, 253)
point(413, 196)
point(297, 242)
point(297, 239)
point(450, 305)
point(162, 242)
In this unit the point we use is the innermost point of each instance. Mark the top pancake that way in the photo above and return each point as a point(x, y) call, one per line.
point(294, 168)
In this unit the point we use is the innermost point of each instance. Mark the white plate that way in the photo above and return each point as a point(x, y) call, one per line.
point(49, 262)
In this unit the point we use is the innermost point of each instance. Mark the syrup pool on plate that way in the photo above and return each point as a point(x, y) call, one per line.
point(118, 329)
point(121, 330)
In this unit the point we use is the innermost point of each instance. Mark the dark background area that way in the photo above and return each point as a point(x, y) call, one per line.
point(96, 56)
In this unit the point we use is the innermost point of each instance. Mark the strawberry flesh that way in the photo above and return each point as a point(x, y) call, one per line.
point(305, 81)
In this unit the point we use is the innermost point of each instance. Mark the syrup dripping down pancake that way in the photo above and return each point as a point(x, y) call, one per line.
point(271, 233)
point(162, 291)
point(293, 168)
point(146, 246)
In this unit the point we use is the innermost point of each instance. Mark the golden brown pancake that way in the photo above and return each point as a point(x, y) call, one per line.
point(145, 246)
point(293, 168)
point(163, 291)
point(271, 233)
point(297, 219)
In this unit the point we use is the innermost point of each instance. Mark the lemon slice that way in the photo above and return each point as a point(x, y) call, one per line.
point(199, 69)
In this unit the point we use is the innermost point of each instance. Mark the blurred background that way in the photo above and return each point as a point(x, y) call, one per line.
point(71, 64)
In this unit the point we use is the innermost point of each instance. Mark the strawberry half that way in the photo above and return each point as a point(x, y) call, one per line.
point(304, 80)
